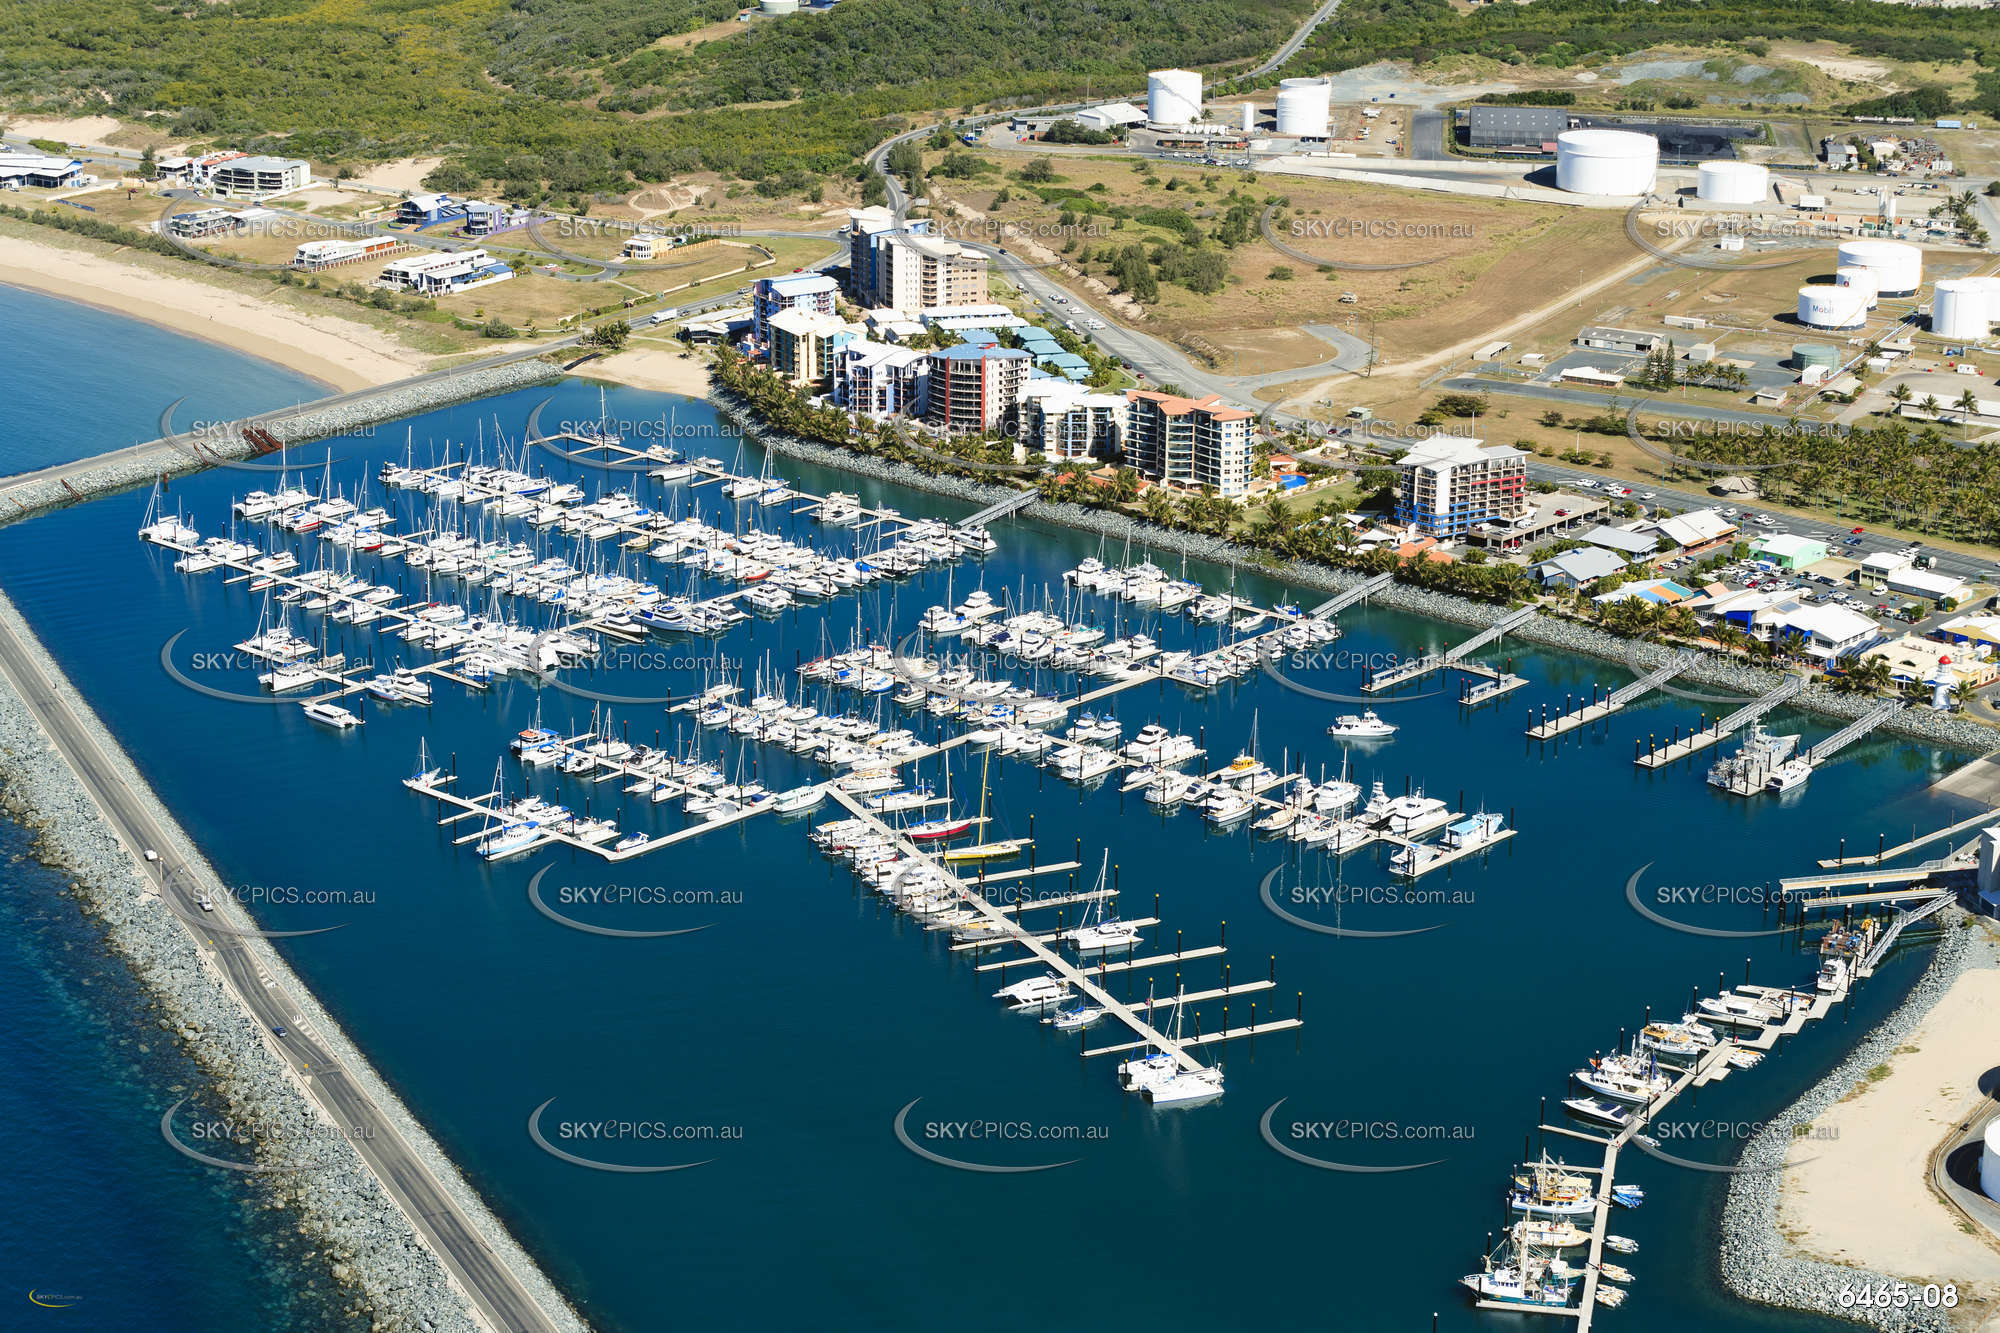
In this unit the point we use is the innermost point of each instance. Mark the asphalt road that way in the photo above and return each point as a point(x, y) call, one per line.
point(1296, 40)
point(65, 471)
point(500, 1298)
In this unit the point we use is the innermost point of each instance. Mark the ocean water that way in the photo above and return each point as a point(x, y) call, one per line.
point(80, 380)
point(108, 1228)
point(778, 1042)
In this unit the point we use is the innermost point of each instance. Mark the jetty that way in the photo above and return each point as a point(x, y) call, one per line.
point(1682, 746)
point(1086, 981)
point(1596, 710)
point(1451, 657)
point(1883, 854)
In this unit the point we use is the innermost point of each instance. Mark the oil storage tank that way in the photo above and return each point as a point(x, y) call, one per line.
point(1173, 97)
point(1613, 162)
point(1898, 268)
point(1827, 306)
point(1862, 278)
point(1959, 309)
point(1305, 107)
point(1729, 182)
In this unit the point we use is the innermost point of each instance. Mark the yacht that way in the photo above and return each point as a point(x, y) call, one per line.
point(1160, 747)
point(1832, 979)
point(332, 715)
point(1598, 1109)
point(1187, 1085)
point(1075, 1019)
point(1034, 995)
point(1410, 816)
point(1368, 726)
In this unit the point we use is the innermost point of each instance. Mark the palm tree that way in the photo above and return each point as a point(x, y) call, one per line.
point(1968, 403)
point(1900, 395)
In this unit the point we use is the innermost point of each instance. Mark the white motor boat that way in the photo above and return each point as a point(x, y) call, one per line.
point(331, 715)
point(1368, 726)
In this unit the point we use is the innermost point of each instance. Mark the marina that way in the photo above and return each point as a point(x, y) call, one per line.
point(830, 944)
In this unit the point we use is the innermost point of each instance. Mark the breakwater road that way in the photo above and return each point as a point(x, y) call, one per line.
point(494, 1290)
point(139, 464)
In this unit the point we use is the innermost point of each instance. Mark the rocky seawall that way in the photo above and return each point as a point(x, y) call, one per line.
point(1754, 1263)
point(364, 1238)
point(1949, 731)
point(195, 451)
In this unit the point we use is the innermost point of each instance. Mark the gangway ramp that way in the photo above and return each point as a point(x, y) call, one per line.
point(1681, 748)
point(1853, 731)
point(1423, 666)
point(1360, 592)
point(999, 509)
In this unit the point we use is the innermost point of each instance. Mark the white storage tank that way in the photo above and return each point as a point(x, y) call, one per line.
point(1825, 306)
point(1614, 162)
point(1989, 1162)
point(1305, 107)
point(1173, 97)
point(1898, 268)
point(1959, 309)
point(1732, 182)
point(1862, 278)
point(778, 6)
point(1249, 117)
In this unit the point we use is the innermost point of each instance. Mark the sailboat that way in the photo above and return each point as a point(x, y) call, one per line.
point(1096, 934)
point(986, 851)
point(426, 773)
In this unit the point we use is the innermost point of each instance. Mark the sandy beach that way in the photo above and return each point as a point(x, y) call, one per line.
point(653, 368)
point(1862, 1196)
point(342, 354)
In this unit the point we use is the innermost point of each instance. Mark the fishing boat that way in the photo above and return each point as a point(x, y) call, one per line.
point(1365, 726)
point(1832, 979)
point(1515, 1284)
point(1618, 1083)
point(1545, 1233)
point(1747, 772)
point(1544, 1187)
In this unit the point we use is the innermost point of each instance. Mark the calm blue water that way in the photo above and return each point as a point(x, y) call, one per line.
point(780, 1043)
point(79, 380)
